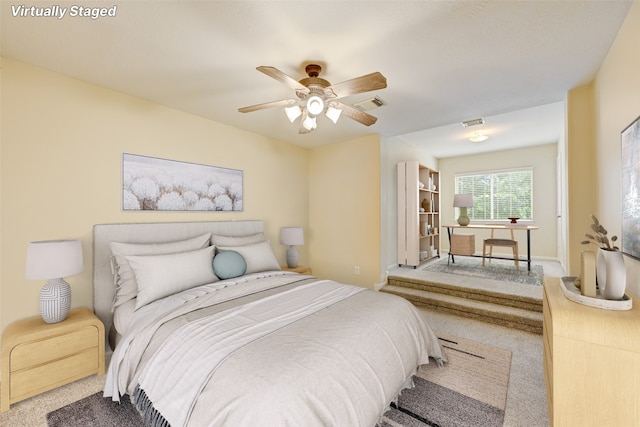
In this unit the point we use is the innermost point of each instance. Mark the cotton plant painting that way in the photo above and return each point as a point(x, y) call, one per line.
point(150, 183)
point(631, 189)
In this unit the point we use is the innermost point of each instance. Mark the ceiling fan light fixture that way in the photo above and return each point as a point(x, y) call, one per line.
point(309, 123)
point(315, 105)
point(293, 112)
point(314, 96)
point(333, 114)
point(478, 137)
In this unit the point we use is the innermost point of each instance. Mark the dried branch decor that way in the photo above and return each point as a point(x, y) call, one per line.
point(599, 236)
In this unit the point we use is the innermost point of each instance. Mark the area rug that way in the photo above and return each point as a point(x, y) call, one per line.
point(96, 411)
point(469, 390)
point(498, 269)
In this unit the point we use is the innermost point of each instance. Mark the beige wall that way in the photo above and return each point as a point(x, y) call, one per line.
point(616, 105)
point(61, 146)
point(344, 211)
point(580, 171)
point(543, 160)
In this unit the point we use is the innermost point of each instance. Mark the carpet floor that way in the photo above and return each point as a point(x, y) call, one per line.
point(470, 390)
point(500, 270)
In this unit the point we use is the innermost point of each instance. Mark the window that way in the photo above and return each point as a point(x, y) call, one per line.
point(498, 195)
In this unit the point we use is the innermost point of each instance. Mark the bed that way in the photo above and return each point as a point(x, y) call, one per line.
point(207, 330)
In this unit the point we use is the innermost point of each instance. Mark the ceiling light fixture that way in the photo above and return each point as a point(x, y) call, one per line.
point(333, 114)
point(315, 105)
point(478, 137)
point(293, 112)
point(310, 123)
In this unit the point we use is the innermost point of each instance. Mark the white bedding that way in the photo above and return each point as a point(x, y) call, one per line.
point(272, 348)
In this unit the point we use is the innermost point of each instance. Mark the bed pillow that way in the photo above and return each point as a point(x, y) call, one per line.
point(229, 264)
point(258, 256)
point(126, 287)
point(218, 240)
point(159, 276)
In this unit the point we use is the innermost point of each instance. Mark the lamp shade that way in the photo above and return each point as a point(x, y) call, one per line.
point(463, 200)
point(291, 236)
point(293, 112)
point(333, 114)
point(50, 259)
point(309, 123)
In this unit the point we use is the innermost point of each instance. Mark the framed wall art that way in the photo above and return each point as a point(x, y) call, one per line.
point(630, 150)
point(150, 183)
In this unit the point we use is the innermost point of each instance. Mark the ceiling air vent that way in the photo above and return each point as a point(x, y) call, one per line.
point(473, 122)
point(369, 104)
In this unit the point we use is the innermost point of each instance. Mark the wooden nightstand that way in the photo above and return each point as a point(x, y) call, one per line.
point(37, 356)
point(302, 269)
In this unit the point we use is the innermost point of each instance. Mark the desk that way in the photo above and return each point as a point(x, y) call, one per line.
point(527, 228)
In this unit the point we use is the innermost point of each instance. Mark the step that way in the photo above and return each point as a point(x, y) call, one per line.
point(512, 317)
point(479, 294)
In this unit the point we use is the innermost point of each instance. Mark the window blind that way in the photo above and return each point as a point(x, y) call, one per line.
point(498, 195)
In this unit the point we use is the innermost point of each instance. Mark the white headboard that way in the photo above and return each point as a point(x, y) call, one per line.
point(103, 287)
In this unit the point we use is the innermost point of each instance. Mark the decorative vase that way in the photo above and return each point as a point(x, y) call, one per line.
point(611, 274)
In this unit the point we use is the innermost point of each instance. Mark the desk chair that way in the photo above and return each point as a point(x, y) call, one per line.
point(491, 242)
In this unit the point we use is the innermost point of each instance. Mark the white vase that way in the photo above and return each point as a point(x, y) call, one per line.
point(611, 274)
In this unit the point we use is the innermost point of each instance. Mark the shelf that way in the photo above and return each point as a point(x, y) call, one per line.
point(412, 219)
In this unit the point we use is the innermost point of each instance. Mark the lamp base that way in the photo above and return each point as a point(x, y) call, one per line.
point(463, 219)
point(292, 257)
point(55, 300)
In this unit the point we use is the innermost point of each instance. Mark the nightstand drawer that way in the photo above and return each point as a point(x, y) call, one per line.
point(39, 356)
point(30, 382)
point(36, 353)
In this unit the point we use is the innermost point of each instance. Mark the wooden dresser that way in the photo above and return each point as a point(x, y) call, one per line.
point(591, 362)
point(37, 356)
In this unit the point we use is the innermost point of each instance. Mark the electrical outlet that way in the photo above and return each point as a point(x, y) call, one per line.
point(356, 270)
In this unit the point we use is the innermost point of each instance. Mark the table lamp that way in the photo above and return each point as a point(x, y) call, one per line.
point(463, 201)
point(52, 260)
point(292, 236)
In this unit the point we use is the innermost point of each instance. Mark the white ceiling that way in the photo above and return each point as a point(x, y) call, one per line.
point(522, 128)
point(445, 61)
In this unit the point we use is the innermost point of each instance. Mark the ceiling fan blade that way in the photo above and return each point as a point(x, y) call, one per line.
point(355, 114)
point(282, 103)
point(366, 83)
point(283, 78)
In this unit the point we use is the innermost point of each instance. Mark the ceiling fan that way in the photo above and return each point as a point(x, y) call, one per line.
point(315, 95)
